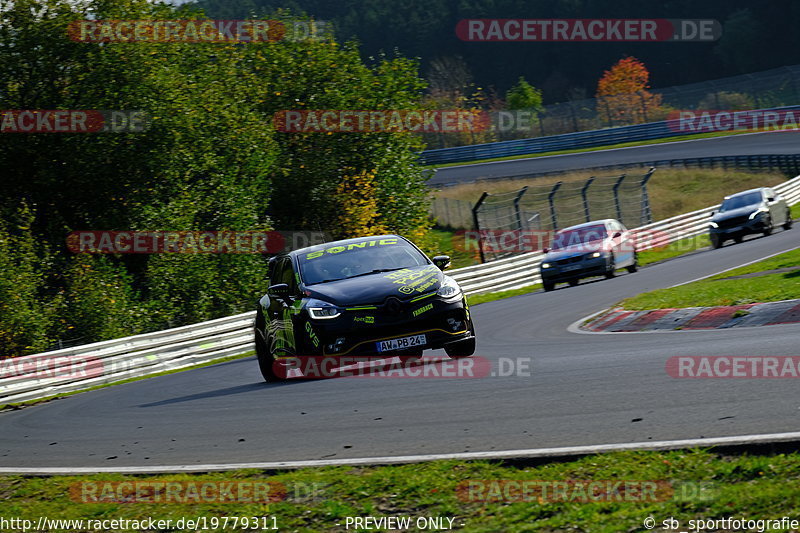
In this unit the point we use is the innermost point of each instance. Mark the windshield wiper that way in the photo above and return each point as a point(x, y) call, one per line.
point(376, 271)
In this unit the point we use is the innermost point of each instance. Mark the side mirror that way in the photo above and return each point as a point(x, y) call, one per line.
point(545, 250)
point(714, 212)
point(771, 199)
point(442, 261)
point(617, 234)
point(279, 290)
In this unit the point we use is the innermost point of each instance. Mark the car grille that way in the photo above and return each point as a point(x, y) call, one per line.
point(733, 221)
point(569, 260)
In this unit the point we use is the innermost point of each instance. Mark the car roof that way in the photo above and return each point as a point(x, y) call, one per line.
point(343, 242)
point(748, 191)
point(603, 221)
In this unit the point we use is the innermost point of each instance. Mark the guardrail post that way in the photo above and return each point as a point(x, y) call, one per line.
point(616, 198)
point(518, 213)
point(586, 200)
point(647, 214)
point(475, 209)
point(550, 197)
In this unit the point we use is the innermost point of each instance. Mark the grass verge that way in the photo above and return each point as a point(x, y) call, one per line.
point(771, 280)
point(700, 484)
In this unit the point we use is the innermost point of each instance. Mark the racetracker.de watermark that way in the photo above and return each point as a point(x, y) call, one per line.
point(185, 31)
point(702, 121)
point(582, 491)
point(179, 492)
point(588, 30)
point(381, 121)
point(427, 367)
point(73, 121)
point(524, 241)
point(192, 242)
point(733, 367)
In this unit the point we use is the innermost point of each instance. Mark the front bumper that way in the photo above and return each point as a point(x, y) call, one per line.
point(755, 225)
point(595, 266)
point(357, 332)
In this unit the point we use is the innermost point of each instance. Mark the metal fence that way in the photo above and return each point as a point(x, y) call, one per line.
point(452, 213)
point(788, 164)
point(569, 141)
point(552, 207)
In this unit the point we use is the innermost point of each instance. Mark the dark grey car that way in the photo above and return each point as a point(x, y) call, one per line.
point(753, 211)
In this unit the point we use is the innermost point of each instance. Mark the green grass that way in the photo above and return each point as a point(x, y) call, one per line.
point(719, 290)
point(448, 243)
point(482, 298)
point(706, 485)
point(674, 249)
point(593, 148)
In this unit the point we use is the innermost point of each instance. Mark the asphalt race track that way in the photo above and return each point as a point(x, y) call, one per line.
point(787, 142)
point(583, 389)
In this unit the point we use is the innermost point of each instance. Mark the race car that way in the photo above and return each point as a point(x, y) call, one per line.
point(375, 296)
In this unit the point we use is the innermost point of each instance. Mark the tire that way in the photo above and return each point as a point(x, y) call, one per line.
point(548, 285)
point(768, 227)
point(788, 223)
point(635, 266)
point(612, 268)
point(738, 239)
point(573, 282)
point(465, 348)
point(716, 241)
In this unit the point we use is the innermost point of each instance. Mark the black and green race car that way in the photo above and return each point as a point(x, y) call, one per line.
point(371, 296)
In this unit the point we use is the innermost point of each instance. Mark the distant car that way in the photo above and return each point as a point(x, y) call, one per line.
point(753, 211)
point(595, 248)
point(369, 296)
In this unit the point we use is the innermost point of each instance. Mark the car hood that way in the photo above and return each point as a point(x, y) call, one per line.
point(575, 249)
point(375, 288)
point(733, 213)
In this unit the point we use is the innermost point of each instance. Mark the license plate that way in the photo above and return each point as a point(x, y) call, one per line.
point(401, 343)
point(570, 268)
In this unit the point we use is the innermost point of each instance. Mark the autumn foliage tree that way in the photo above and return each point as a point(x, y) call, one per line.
point(623, 94)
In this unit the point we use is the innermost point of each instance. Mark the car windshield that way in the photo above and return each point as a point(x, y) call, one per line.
point(743, 200)
point(338, 262)
point(577, 236)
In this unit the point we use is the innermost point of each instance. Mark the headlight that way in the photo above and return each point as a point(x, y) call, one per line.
point(760, 211)
point(596, 254)
point(324, 313)
point(449, 289)
point(545, 265)
point(713, 224)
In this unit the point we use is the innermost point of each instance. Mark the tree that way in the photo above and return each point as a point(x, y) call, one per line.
point(523, 95)
point(623, 92)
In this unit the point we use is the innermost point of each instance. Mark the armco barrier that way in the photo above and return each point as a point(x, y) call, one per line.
point(566, 141)
point(141, 355)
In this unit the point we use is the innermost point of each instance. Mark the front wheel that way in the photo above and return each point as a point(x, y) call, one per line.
point(788, 223)
point(767, 227)
point(548, 285)
point(611, 271)
point(716, 240)
point(266, 361)
point(574, 282)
